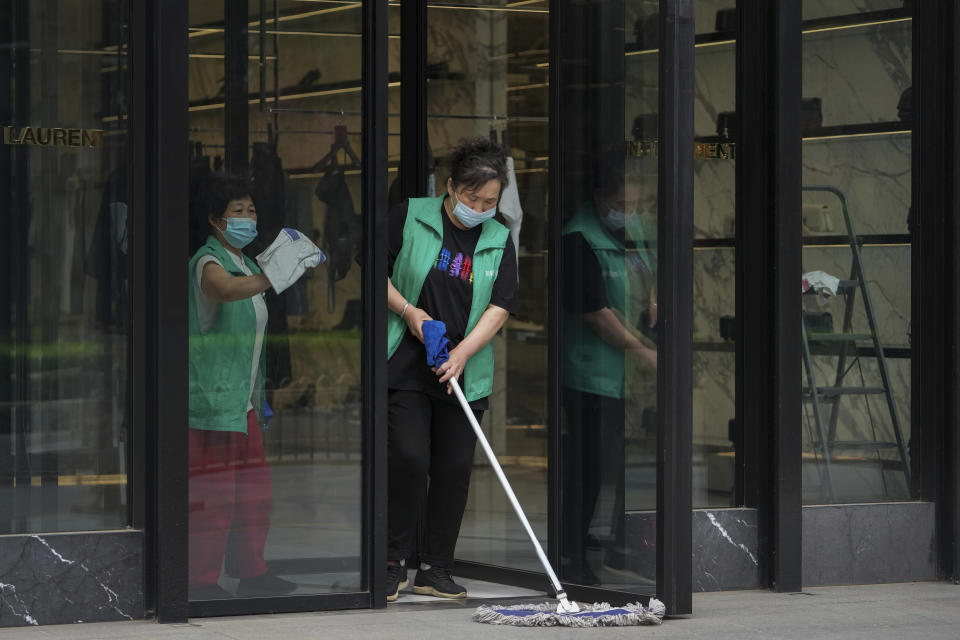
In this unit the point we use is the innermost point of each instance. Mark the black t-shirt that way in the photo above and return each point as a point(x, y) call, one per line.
point(585, 291)
point(447, 295)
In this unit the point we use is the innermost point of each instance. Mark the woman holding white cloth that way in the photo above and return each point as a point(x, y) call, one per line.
point(230, 487)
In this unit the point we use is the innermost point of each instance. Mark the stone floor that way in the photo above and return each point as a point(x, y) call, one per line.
point(909, 610)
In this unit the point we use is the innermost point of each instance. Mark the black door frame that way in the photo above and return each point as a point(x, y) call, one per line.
point(159, 102)
point(935, 201)
point(768, 246)
point(675, 312)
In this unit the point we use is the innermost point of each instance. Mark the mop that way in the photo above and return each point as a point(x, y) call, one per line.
point(565, 613)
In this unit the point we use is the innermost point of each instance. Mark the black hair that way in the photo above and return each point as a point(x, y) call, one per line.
point(613, 172)
point(223, 189)
point(211, 194)
point(475, 162)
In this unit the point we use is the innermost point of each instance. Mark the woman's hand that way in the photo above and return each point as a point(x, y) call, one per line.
point(415, 317)
point(488, 325)
point(645, 354)
point(452, 368)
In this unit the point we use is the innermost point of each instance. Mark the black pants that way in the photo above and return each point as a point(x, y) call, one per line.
point(593, 458)
point(427, 436)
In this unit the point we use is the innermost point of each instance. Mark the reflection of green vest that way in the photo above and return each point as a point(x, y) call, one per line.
point(221, 358)
point(589, 363)
point(422, 241)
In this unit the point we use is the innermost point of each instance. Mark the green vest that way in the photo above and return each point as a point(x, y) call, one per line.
point(589, 363)
point(221, 358)
point(422, 241)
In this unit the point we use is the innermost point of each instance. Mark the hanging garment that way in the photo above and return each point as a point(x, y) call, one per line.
point(510, 207)
point(200, 175)
point(300, 216)
point(288, 257)
point(268, 190)
point(341, 228)
point(74, 241)
point(106, 259)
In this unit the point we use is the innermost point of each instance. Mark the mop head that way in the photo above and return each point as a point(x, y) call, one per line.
point(590, 615)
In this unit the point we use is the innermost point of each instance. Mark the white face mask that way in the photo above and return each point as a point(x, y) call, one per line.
point(470, 218)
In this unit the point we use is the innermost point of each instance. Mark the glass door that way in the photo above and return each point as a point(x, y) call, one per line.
point(276, 496)
point(574, 414)
point(609, 299)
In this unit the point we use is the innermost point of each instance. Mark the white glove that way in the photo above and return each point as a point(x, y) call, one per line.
point(290, 255)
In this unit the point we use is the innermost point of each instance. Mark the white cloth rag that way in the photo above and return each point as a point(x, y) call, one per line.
point(822, 282)
point(290, 255)
point(510, 207)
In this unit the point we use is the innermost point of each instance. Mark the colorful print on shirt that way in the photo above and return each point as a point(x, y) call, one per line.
point(459, 266)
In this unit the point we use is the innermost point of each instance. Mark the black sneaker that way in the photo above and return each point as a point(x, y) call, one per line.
point(209, 592)
point(396, 579)
point(436, 581)
point(264, 586)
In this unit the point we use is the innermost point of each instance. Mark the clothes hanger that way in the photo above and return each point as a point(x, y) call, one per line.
point(340, 141)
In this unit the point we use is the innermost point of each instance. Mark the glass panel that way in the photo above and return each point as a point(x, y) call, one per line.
point(64, 303)
point(284, 516)
point(487, 76)
point(856, 117)
point(714, 280)
point(609, 293)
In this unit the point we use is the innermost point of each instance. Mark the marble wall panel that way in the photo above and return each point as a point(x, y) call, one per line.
point(714, 291)
point(714, 86)
point(725, 550)
point(713, 407)
point(858, 73)
point(868, 543)
point(66, 578)
point(842, 544)
point(714, 187)
point(874, 175)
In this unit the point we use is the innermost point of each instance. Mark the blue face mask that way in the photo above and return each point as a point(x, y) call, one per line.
point(240, 232)
point(617, 220)
point(470, 218)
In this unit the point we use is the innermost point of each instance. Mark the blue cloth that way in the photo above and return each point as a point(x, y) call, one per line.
point(267, 414)
point(523, 613)
point(436, 342)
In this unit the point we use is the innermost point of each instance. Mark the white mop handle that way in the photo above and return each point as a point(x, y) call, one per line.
point(506, 485)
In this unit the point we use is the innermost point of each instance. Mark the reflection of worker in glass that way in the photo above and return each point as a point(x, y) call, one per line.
point(229, 477)
point(609, 303)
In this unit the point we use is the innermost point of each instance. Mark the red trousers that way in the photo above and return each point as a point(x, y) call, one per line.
point(229, 488)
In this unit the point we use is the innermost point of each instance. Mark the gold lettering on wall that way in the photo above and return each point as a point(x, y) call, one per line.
point(701, 150)
point(54, 137)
